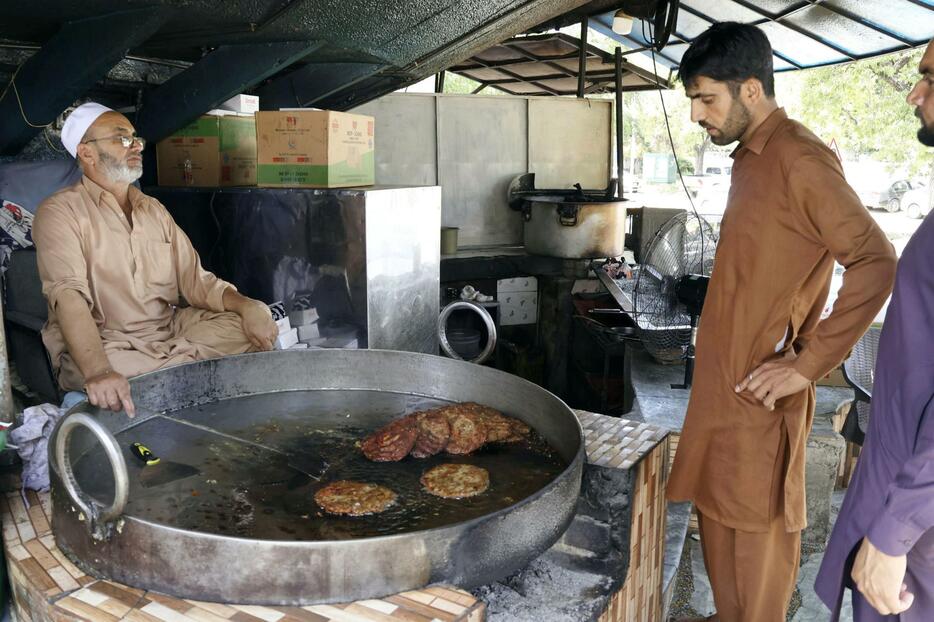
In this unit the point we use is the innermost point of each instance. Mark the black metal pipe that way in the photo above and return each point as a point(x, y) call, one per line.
point(582, 57)
point(618, 58)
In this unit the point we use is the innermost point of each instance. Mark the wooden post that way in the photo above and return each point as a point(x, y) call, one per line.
point(582, 58)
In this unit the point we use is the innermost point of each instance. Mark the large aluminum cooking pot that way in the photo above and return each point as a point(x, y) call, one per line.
point(572, 228)
point(106, 539)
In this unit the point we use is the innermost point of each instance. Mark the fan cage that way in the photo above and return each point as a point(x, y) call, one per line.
point(685, 245)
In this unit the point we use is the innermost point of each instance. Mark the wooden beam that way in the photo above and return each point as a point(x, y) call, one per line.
point(66, 66)
point(221, 74)
point(313, 82)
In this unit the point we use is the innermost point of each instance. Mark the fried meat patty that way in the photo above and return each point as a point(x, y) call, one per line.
point(468, 432)
point(455, 481)
point(392, 442)
point(458, 429)
point(433, 433)
point(354, 498)
point(499, 427)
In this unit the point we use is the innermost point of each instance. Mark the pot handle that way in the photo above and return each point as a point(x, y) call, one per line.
point(99, 518)
point(567, 215)
point(487, 321)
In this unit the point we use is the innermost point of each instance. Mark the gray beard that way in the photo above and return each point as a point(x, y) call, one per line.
point(119, 172)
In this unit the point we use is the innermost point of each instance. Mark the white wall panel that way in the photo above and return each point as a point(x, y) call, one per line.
point(473, 146)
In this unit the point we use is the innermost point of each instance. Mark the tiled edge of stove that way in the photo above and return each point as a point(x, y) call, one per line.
point(608, 566)
point(47, 587)
point(624, 479)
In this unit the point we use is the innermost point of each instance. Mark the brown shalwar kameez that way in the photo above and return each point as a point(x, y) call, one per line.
point(132, 278)
point(789, 215)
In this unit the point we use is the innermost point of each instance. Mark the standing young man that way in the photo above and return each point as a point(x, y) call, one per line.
point(761, 344)
point(883, 543)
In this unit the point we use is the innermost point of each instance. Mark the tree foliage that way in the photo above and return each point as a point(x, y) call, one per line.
point(862, 107)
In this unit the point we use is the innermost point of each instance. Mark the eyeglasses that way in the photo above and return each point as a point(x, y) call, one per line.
point(126, 141)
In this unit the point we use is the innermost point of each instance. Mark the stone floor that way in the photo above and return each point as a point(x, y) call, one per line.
point(692, 596)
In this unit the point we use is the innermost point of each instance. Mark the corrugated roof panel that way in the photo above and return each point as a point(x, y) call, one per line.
point(674, 52)
point(531, 69)
point(550, 47)
point(803, 33)
point(720, 10)
point(799, 48)
point(520, 88)
point(593, 64)
point(690, 25)
point(900, 17)
point(856, 39)
point(781, 65)
point(486, 75)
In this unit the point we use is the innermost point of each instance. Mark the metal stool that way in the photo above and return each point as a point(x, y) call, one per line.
point(858, 370)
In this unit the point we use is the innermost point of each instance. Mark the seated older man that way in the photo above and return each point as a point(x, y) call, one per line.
point(115, 269)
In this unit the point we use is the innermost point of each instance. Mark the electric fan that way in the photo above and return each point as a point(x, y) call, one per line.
point(670, 289)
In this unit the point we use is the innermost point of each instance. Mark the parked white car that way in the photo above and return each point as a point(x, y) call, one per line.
point(917, 202)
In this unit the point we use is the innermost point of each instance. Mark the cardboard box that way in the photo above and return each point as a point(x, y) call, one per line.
point(242, 103)
point(209, 152)
point(314, 149)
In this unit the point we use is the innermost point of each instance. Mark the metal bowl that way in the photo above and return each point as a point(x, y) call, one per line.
point(109, 542)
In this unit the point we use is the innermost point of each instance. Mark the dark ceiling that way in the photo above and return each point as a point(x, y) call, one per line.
point(170, 60)
point(325, 53)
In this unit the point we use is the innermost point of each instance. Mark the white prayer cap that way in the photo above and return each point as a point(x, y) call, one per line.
point(78, 123)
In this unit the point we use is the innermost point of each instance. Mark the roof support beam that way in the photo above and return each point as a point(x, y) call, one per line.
point(313, 82)
point(221, 74)
point(69, 63)
point(582, 59)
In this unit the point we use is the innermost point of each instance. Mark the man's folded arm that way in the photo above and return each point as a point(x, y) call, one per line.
point(830, 213)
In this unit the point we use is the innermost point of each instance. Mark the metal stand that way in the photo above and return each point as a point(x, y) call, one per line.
point(689, 358)
point(618, 61)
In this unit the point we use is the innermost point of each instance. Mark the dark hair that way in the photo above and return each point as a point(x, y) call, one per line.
point(730, 52)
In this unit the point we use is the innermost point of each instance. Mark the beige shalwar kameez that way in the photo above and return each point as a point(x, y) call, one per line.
point(135, 280)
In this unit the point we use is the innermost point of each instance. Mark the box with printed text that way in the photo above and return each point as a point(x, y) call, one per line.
point(314, 149)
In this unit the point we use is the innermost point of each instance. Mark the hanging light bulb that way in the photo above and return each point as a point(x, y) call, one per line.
point(622, 23)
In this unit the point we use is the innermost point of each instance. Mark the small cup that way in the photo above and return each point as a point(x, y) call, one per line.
point(448, 240)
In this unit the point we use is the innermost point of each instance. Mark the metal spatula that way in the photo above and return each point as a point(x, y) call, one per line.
point(308, 464)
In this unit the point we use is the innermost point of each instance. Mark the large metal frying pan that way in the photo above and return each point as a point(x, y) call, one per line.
point(105, 538)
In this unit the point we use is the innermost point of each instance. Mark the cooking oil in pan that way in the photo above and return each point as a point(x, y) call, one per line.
point(248, 488)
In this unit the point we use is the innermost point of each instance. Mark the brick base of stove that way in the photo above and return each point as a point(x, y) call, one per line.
point(608, 566)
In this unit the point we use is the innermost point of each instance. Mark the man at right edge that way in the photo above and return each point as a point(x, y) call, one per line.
point(882, 546)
